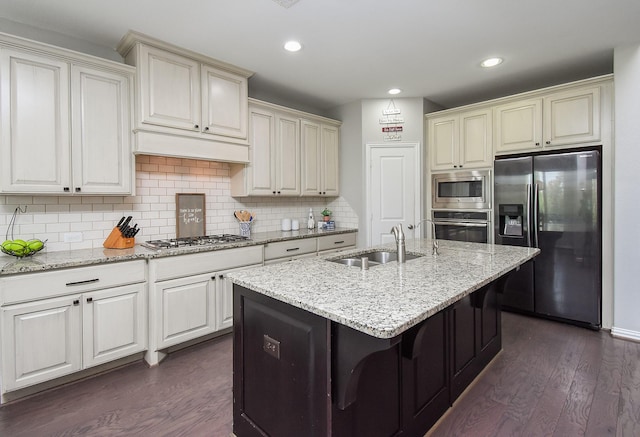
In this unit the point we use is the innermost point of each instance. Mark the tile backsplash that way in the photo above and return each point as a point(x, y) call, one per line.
point(153, 208)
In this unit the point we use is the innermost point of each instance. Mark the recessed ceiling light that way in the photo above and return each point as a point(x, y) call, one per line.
point(292, 46)
point(394, 91)
point(491, 62)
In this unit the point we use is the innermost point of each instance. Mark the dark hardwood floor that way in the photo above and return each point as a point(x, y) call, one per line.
point(550, 379)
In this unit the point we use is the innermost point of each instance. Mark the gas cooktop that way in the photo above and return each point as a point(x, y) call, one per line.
point(205, 240)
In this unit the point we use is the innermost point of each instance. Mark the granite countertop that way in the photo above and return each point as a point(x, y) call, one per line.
point(387, 299)
point(44, 260)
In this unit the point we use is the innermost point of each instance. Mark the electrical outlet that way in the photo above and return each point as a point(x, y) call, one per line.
point(72, 237)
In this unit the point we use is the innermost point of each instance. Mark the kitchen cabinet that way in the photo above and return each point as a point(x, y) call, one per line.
point(562, 118)
point(282, 251)
point(188, 296)
point(188, 105)
point(66, 122)
point(336, 243)
point(292, 153)
point(320, 170)
point(57, 323)
point(461, 140)
point(274, 169)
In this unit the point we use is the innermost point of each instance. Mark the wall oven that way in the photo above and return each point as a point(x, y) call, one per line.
point(461, 190)
point(471, 226)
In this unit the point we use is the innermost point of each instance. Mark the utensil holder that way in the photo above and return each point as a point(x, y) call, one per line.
point(245, 229)
point(115, 240)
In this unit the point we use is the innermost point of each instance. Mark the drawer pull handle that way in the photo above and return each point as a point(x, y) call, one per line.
point(293, 249)
point(338, 242)
point(88, 281)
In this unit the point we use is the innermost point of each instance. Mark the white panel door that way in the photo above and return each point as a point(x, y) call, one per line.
point(572, 117)
point(311, 156)
point(393, 189)
point(224, 103)
point(519, 125)
point(35, 142)
point(287, 156)
point(330, 158)
point(41, 341)
point(114, 324)
point(101, 143)
point(262, 137)
point(224, 298)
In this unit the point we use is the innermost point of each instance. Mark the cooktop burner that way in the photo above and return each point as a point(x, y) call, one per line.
point(205, 240)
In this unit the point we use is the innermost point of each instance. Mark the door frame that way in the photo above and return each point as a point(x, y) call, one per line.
point(419, 174)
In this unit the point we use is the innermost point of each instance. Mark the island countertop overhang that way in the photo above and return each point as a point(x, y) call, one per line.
point(387, 299)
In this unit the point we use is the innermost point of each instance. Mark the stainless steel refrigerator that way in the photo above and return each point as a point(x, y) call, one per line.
point(553, 202)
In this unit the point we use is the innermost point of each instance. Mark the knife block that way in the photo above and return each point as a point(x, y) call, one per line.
point(115, 240)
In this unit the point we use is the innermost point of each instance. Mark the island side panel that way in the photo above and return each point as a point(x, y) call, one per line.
point(280, 381)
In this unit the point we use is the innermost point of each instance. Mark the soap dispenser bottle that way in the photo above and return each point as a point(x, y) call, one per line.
point(311, 222)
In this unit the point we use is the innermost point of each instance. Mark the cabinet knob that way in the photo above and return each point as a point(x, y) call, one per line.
point(206, 128)
point(455, 166)
point(221, 276)
point(65, 189)
point(319, 192)
point(89, 299)
point(548, 142)
point(537, 144)
point(196, 126)
point(78, 189)
point(278, 192)
point(76, 302)
point(274, 192)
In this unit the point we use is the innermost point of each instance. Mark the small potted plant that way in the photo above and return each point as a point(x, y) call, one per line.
point(326, 214)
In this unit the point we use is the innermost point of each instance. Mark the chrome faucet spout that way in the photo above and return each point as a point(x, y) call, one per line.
point(398, 233)
point(435, 247)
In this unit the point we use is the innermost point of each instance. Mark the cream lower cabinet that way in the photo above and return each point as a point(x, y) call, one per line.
point(66, 122)
point(56, 323)
point(188, 294)
point(283, 251)
point(336, 243)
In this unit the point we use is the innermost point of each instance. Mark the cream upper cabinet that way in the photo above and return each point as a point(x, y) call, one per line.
point(66, 122)
point(519, 125)
point(170, 89)
point(292, 153)
point(560, 118)
point(102, 161)
point(320, 170)
point(461, 140)
point(572, 116)
point(36, 139)
point(187, 105)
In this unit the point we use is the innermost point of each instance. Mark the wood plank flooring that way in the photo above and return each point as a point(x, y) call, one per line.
point(550, 379)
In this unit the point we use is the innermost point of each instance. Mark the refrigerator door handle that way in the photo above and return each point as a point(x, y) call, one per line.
point(528, 221)
point(535, 215)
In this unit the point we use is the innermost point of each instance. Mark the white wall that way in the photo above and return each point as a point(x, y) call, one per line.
point(626, 68)
point(158, 179)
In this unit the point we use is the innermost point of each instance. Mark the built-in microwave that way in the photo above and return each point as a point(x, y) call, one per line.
point(461, 190)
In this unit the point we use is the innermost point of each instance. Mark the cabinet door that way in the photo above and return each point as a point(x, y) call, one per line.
point(443, 142)
point(261, 170)
point(171, 89)
point(476, 143)
point(224, 297)
point(35, 142)
point(329, 159)
point(287, 155)
point(572, 117)
point(224, 103)
point(102, 158)
point(40, 341)
point(185, 308)
point(519, 125)
point(311, 158)
point(114, 324)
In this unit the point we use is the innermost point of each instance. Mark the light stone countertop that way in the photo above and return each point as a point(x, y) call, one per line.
point(387, 299)
point(44, 260)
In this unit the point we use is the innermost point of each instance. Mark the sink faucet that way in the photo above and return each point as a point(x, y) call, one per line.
point(434, 249)
point(399, 235)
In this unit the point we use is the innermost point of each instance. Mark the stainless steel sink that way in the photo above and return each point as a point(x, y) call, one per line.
point(375, 258)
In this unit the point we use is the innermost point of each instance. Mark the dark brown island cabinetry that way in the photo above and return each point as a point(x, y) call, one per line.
point(299, 374)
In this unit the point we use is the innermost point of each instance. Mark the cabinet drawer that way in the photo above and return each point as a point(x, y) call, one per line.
point(32, 286)
point(290, 248)
point(336, 241)
point(204, 262)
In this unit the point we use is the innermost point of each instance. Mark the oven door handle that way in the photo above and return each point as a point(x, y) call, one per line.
point(467, 224)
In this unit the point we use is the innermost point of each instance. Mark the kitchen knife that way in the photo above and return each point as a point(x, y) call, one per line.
point(120, 222)
point(126, 222)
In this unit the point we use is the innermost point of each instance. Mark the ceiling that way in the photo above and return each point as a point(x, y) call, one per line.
point(358, 49)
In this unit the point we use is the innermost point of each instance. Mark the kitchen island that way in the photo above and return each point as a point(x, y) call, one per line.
point(321, 348)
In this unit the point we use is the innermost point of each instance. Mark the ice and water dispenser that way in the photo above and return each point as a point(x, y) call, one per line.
point(511, 220)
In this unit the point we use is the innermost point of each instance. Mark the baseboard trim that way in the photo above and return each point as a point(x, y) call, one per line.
point(625, 334)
